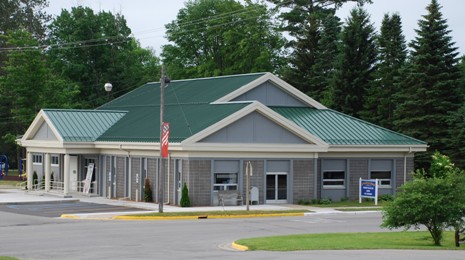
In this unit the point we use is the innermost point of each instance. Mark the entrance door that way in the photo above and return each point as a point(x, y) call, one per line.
point(276, 187)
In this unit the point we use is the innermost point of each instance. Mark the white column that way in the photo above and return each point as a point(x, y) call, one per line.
point(47, 172)
point(66, 175)
point(29, 170)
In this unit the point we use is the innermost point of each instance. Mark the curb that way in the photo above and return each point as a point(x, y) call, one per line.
point(125, 217)
point(207, 216)
point(239, 247)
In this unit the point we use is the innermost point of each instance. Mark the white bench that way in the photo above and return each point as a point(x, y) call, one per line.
point(229, 198)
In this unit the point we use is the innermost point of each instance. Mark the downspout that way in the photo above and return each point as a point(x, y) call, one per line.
point(405, 164)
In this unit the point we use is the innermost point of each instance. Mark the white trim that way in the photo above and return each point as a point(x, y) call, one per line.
point(286, 87)
point(377, 148)
point(268, 113)
point(35, 126)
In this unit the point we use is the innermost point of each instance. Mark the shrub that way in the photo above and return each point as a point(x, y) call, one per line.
point(386, 197)
point(51, 181)
point(147, 191)
point(185, 201)
point(325, 201)
point(35, 179)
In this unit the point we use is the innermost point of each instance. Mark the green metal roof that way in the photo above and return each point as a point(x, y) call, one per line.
point(82, 125)
point(187, 108)
point(135, 116)
point(191, 91)
point(336, 128)
point(142, 123)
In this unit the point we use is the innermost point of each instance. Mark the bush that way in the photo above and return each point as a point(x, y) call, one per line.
point(386, 197)
point(35, 179)
point(51, 181)
point(147, 191)
point(434, 199)
point(185, 201)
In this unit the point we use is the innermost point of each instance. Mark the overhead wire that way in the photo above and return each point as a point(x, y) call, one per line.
point(107, 40)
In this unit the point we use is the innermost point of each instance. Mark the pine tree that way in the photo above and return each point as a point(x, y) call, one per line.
point(392, 53)
point(304, 22)
point(355, 65)
point(185, 201)
point(325, 56)
point(430, 91)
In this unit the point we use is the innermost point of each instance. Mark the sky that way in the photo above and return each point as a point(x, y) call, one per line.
point(147, 18)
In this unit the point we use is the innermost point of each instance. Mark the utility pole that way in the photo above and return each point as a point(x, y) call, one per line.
point(161, 172)
point(248, 173)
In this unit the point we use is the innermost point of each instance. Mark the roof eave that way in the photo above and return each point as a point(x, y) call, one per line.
point(378, 148)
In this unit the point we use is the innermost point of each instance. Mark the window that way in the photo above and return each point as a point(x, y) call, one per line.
point(37, 159)
point(334, 179)
point(382, 170)
point(54, 159)
point(384, 178)
point(225, 181)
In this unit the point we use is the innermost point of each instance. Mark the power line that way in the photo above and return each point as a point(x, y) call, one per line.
point(122, 39)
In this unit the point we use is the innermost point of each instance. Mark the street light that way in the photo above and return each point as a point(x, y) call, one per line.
point(108, 87)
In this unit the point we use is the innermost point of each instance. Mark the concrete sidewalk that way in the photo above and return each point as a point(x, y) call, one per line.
point(16, 196)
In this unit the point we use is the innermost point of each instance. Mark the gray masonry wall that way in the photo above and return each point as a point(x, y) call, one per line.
point(152, 165)
point(120, 176)
point(400, 171)
point(200, 182)
point(303, 180)
point(358, 168)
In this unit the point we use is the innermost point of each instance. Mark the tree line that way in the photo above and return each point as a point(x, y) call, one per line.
point(415, 88)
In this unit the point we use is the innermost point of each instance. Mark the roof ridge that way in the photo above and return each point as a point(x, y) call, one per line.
point(215, 77)
point(83, 110)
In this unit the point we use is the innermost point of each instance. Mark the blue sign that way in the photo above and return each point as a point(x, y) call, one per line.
point(368, 188)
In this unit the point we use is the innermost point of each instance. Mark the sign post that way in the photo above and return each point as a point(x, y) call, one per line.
point(90, 172)
point(368, 189)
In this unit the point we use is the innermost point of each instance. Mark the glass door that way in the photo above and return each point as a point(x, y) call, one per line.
point(276, 187)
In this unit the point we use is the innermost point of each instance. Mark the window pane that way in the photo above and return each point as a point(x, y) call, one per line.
point(381, 175)
point(333, 175)
point(225, 178)
point(333, 183)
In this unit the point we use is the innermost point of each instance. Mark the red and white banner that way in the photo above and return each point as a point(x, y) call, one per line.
point(164, 139)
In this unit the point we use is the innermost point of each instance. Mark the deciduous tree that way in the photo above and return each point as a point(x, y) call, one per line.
point(94, 48)
point(433, 199)
point(221, 37)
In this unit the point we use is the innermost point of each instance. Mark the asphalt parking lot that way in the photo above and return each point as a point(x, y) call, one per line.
point(56, 209)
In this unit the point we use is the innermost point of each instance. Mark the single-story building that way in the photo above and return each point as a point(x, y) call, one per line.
point(298, 148)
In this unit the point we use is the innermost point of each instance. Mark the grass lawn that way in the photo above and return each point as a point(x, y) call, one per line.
point(370, 203)
point(8, 258)
point(9, 184)
point(340, 241)
point(221, 213)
